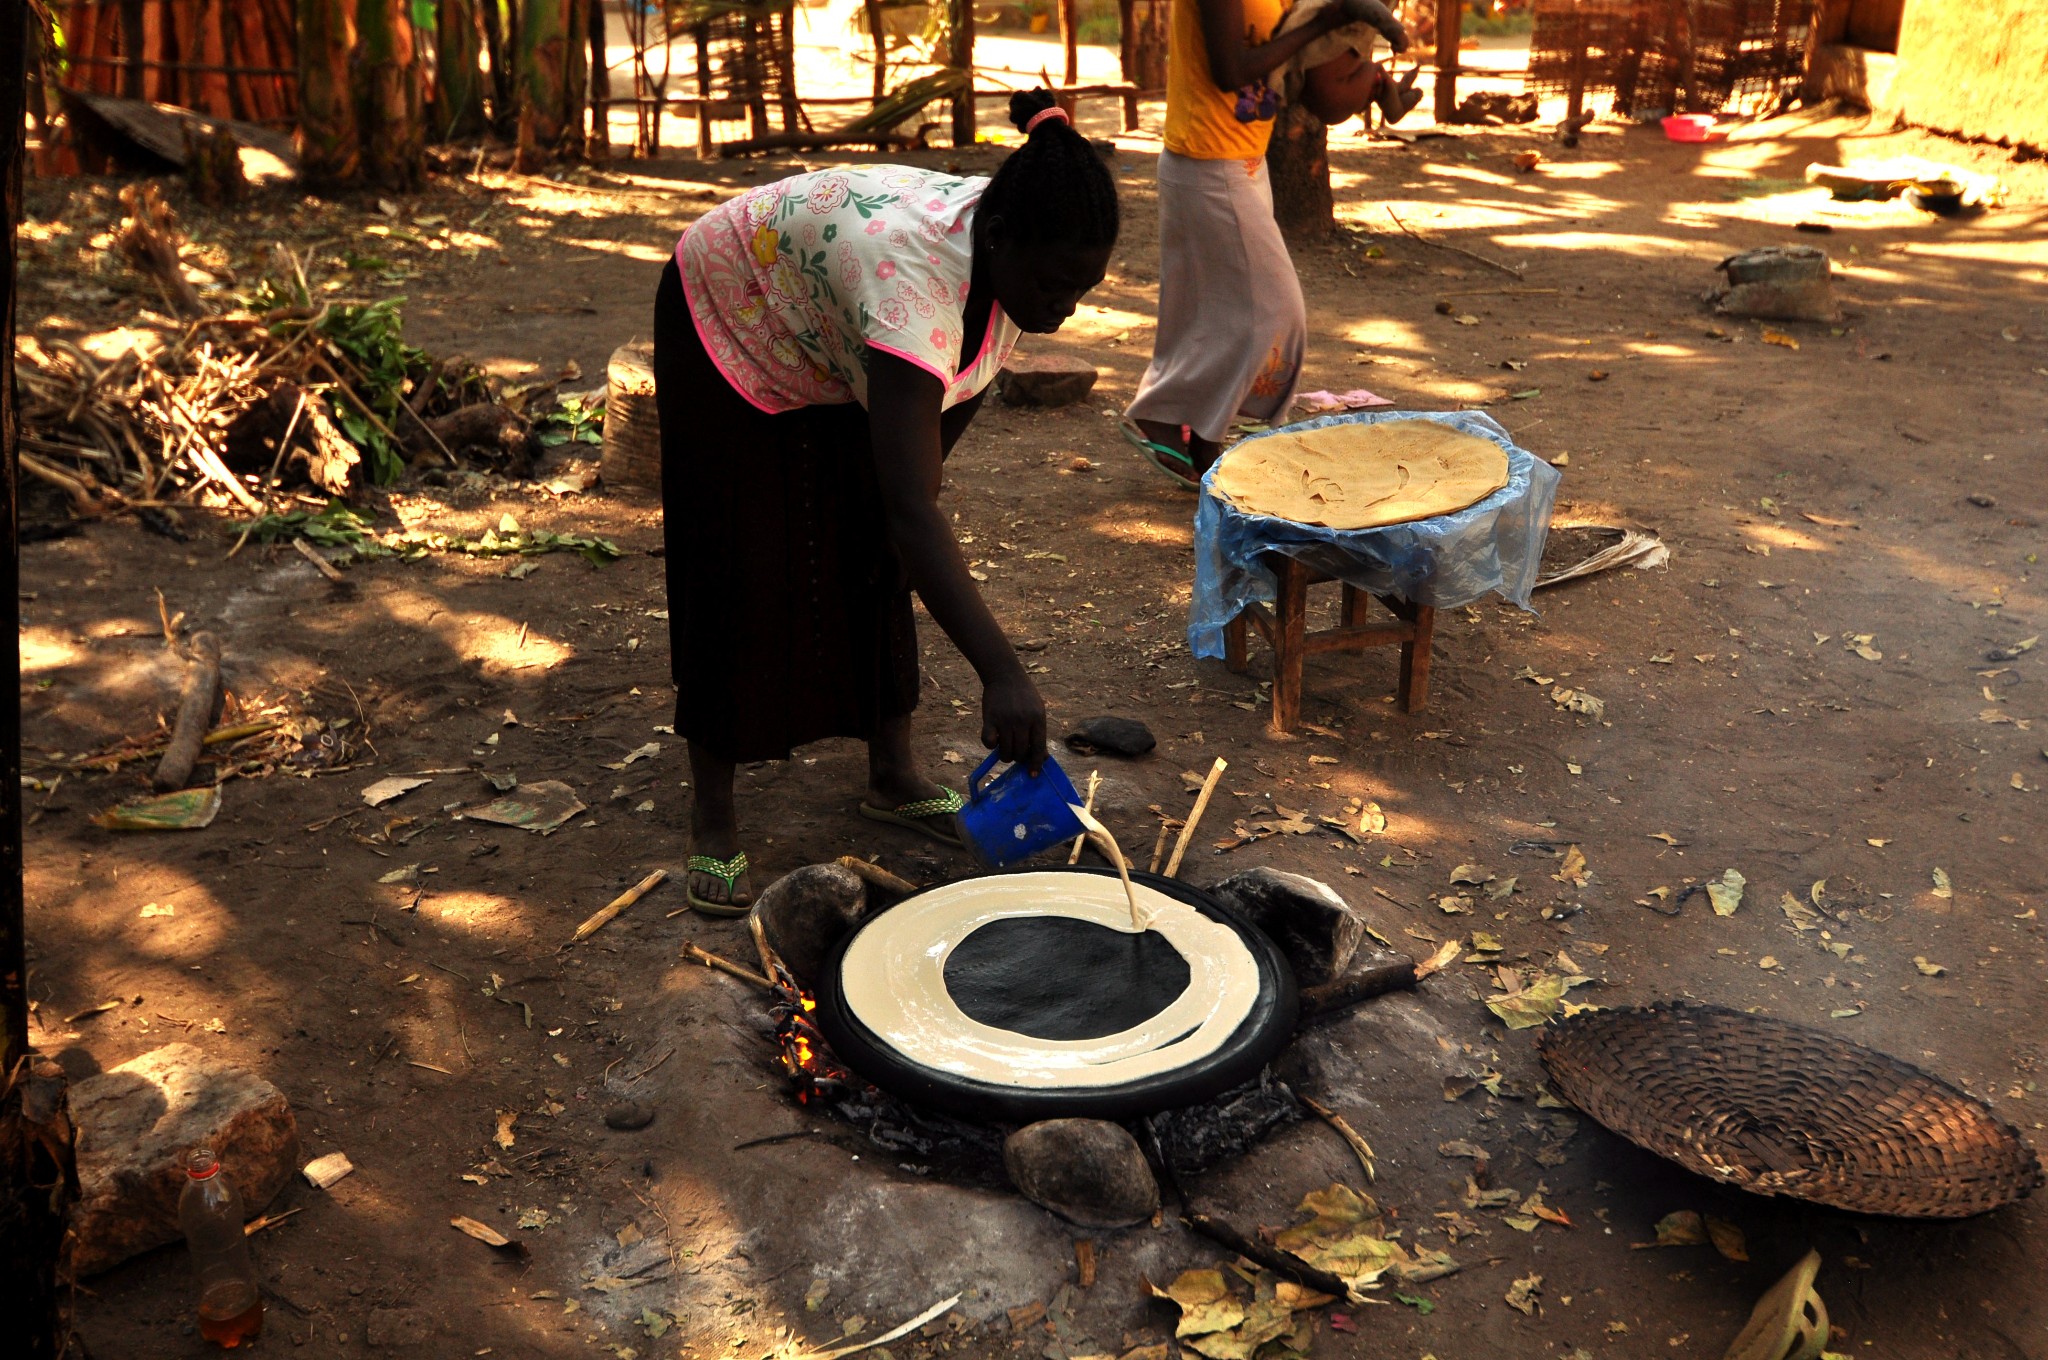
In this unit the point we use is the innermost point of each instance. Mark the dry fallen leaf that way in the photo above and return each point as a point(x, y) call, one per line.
point(1574, 870)
point(503, 1137)
point(1726, 895)
point(1521, 1295)
point(1928, 969)
point(1727, 1239)
point(1773, 337)
point(1942, 888)
point(486, 1234)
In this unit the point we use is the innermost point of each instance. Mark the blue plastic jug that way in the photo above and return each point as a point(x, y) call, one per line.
point(1017, 814)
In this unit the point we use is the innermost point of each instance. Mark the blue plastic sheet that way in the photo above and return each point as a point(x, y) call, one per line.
point(1492, 547)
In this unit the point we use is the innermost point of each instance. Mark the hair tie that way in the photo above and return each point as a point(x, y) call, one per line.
point(1055, 112)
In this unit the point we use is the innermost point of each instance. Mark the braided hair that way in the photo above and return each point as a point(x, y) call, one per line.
point(1054, 189)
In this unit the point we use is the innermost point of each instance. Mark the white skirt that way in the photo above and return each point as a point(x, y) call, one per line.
point(1232, 325)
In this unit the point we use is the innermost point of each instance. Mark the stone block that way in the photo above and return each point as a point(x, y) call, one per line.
point(1316, 929)
point(137, 1122)
point(807, 911)
point(1045, 380)
point(1088, 1171)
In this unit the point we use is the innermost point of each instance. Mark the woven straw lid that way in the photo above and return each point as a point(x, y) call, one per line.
point(1781, 1109)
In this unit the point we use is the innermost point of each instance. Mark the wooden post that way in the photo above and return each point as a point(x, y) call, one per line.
point(1450, 16)
point(543, 67)
point(600, 146)
point(575, 74)
point(877, 21)
point(38, 1175)
point(962, 60)
point(132, 35)
point(1575, 105)
point(1070, 38)
point(459, 72)
point(783, 24)
point(1127, 39)
point(704, 148)
point(498, 43)
point(15, 1197)
point(1290, 626)
point(391, 113)
point(1414, 689)
point(331, 150)
point(152, 50)
point(757, 102)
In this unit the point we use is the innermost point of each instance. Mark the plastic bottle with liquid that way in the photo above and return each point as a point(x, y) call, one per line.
point(210, 1212)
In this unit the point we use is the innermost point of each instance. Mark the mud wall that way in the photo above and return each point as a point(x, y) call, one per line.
point(1977, 70)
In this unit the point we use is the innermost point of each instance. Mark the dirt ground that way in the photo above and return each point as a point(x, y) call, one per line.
point(1881, 477)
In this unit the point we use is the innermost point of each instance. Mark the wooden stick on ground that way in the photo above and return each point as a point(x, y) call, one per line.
point(1344, 1131)
point(1088, 803)
point(876, 876)
point(727, 967)
point(1187, 833)
point(197, 709)
point(603, 915)
point(1159, 846)
point(1273, 1259)
point(320, 564)
point(1333, 998)
point(1455, 250)
point(771, 965)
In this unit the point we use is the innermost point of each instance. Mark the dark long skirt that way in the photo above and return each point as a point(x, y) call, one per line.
point(789, 610)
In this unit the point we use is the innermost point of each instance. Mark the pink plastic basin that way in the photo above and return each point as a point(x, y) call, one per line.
point(1693, 127)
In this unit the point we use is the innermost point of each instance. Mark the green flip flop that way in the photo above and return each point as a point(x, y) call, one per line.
point(726, 869)
point(919, 816)
point(1164, 457)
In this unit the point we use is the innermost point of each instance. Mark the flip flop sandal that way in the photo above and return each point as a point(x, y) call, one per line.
point(918, 816)
point(1789, 1323)
point(1163, 457)
point(726, 869)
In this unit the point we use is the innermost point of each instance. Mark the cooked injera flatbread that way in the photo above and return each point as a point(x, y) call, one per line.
point(1363, 476)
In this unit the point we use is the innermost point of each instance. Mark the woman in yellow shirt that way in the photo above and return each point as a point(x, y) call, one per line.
point(1232, 325)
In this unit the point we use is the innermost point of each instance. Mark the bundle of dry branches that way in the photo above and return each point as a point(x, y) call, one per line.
point(239, 408)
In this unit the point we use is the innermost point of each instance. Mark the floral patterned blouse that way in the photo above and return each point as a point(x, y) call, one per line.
point(791, 284)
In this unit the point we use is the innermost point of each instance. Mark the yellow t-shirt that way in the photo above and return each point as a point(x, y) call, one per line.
point(1202, 121)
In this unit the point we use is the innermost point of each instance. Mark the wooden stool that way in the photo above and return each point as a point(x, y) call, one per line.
point(1285, 627)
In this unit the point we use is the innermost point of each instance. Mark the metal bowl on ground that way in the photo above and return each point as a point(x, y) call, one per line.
point(1782, 1109)
point(1026, 996)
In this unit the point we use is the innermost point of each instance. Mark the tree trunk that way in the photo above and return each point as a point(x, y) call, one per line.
point(575, 74)
point(500, 52)
point(458, 66)
point(38, 1180)
point(330, 151)
point(1299, 160)
point(600, 147)
point(390, 96)
point(544, 66)
point(961, 58)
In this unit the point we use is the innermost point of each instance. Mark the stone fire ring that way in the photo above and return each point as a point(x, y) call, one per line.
point(1026, 996)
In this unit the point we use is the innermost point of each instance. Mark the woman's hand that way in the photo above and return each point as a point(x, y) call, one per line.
point(1375, 13)
point(1013, 721)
